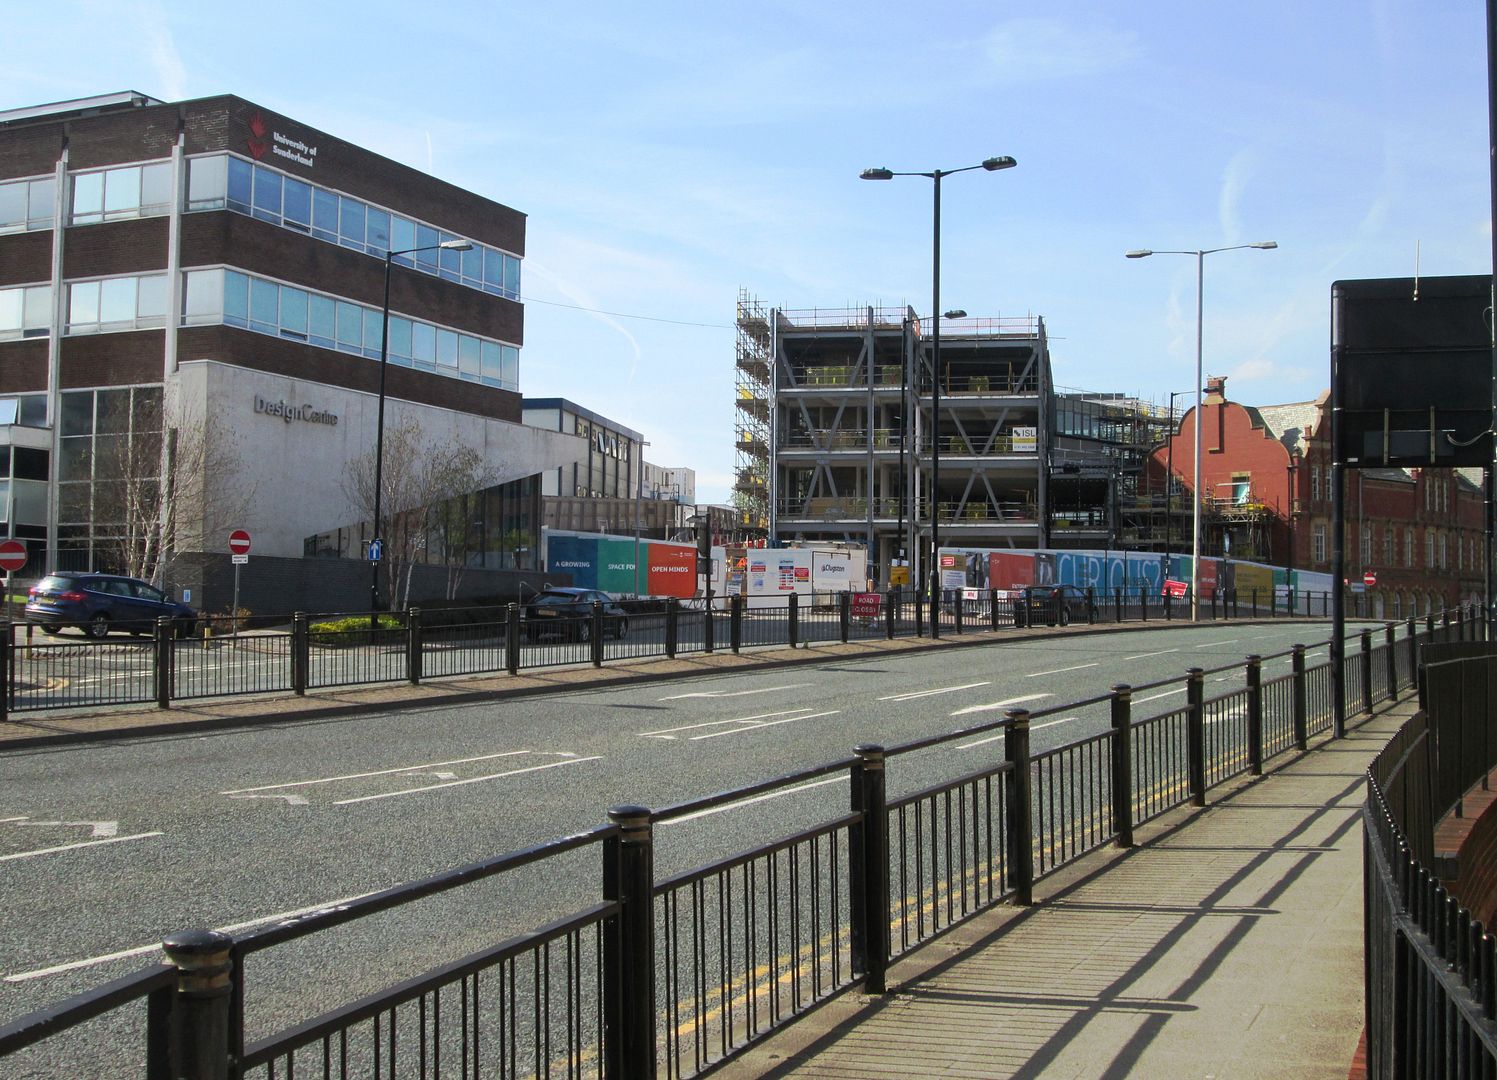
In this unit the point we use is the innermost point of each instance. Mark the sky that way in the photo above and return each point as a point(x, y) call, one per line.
point(670, 155)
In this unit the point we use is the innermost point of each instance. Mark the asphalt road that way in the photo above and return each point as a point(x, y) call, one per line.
point(106, 849)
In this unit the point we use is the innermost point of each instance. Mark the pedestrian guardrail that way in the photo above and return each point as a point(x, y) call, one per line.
point(333, 650)
point(1431, 966)
point(647, 977)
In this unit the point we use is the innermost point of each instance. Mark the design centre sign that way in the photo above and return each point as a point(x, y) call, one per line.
point(289, 413)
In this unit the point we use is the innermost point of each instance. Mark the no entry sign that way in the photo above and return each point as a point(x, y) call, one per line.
point(1369, 578)
point(239, 542)
point(12, 555)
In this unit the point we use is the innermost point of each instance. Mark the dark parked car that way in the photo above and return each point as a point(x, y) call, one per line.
point(99, 603)
point(1054, 604)
point(567, 612)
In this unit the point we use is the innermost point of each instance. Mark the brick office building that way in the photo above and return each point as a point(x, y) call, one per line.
point(212, 267)
point(1266, 497)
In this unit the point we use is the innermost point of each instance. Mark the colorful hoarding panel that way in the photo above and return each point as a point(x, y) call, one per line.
point(575, 555)
point(672, 570)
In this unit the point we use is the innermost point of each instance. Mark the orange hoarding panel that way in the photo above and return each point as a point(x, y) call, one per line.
point(672, 570)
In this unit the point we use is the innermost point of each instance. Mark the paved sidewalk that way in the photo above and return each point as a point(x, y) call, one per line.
point(1228, 943)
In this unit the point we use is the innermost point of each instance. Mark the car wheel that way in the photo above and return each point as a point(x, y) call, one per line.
point(1065, 616)
point(621, 628)
point(51, 631)
point(98, 626)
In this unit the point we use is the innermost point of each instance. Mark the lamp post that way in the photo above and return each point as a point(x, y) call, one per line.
point(1169, 486)
point(639, 487)
point(1293, 469)
point(379, 428)
point(992, 164)
point(1195, 527)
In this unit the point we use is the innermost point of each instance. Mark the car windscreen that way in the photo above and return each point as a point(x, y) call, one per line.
point(53, 583)
point(557, 599)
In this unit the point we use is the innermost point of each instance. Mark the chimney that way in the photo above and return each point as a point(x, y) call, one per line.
point(1216, 390)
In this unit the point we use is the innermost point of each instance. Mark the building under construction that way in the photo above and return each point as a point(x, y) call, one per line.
point(844, 433)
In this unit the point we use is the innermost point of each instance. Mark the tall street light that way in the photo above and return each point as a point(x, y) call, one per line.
point(1169, 485)
point(379, 428)
point(1195, 528)
point(992, 164)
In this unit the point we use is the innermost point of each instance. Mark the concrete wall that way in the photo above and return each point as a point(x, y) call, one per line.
point(291, 481)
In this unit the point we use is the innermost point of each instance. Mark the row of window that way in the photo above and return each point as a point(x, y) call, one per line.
point(124, 303)
point(27, 204)
point(25, 311)
point(262, 192)
point(222, 181)
point(1436, 548)
point(267, 307)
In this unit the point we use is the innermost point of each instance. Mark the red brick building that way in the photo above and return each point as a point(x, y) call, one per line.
point(1266, 497)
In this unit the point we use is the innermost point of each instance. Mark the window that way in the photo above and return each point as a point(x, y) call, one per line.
point(125, 303)
point(27, 204)
point(1408, 547)
point(207, 182)
point(1429, 548)
point(1241, 489)
point(1388, 546)
point(1315, 483)
point(267, 307)
point(1444, 552)
point(130, 191)
point(25, 311)
point(1366, 544)
point(1317, 543)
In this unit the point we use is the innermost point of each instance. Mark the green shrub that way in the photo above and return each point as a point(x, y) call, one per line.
point(355, 630)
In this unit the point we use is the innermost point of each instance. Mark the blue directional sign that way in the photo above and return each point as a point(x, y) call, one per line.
point(376, 549)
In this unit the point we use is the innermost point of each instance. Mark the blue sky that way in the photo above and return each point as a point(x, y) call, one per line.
point(669, 154)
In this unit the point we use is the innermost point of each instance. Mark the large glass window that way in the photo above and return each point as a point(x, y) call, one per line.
point(27, 204)
point(25, 311)
point(325, 215)
point(122, 303)
point(207, 182)
point(297, 204)
point(128, 191)
point(268, 195)
point(267, 307)
point(351, 224)
point(241, 183)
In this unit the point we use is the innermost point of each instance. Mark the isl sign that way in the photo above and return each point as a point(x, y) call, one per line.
point(239, 542)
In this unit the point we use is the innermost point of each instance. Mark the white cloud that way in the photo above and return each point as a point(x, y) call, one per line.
point(1234, 183)
point(166, 61)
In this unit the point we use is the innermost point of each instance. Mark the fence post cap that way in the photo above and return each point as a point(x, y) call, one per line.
point(195, 948)
point(869, 752)
point(629, 815)
point(1017, 717)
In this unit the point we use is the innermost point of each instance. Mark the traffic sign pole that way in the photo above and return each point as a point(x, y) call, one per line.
point(239, 545)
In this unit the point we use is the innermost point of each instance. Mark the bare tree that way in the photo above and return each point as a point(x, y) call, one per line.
point(164, 482)
point(423, 503)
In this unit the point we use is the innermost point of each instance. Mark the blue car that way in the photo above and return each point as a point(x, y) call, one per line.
point(99, 603)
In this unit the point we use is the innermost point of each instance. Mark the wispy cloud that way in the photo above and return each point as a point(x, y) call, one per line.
point(1030, 48)
point(166, 61)
point(1234, 183)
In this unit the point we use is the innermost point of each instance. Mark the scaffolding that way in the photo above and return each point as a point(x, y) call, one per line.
point(752, 395)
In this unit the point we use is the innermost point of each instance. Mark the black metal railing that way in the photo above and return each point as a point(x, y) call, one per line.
point(229, 656)
point(1431, 966)
point(639, 976)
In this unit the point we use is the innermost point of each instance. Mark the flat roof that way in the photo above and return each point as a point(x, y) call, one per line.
point(125, 99)
point(587, 414)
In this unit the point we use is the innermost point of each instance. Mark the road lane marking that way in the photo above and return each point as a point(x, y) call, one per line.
point(1062, 671)
point(998, 704)
point(670, 732)
point(470, 780)
point(770, 723)
point(377, 772)
point(733, 693)
point(291, 800)
point(756, 799)
point(1156, 697)
point(80, 844)
point(1213, 644)
point(1036, 727)
point(97, 829)
point(1145, 655)
point(912, 695)
point(141, 950)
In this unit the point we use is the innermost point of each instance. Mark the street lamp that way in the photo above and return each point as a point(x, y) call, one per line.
point(1195, 528)
point(1169, 486)
point(905, 428)
point(992, 164)
point(379, 429)
point(639, 488)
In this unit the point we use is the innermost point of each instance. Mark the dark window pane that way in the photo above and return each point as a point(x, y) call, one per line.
point(236, 298)
point(325, 215)
point(267, 195)
point(28, 463)
point(472, 261)
point(297, 208)
point(114, 411)
point(427, 237)
point(351, 224)
point(377, 231)
point(321, 324)
point(263, 304)
point(241, 179)
point(78, 413)
point(400, 337)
